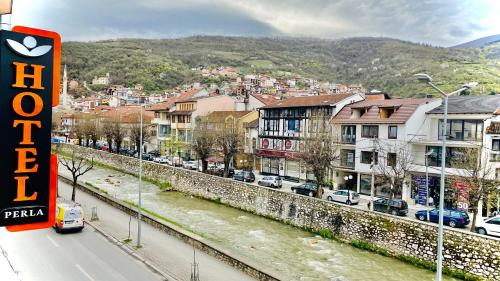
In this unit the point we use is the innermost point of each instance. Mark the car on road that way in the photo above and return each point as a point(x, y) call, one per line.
point(147, 157)
point(397, 207)
point(490, 226)
point(160, 160)
point(310, 189)
point(245, 176)
point(190, 165)
point(451, 217)
point(69, 216)
point(270, 181)
point(344, 196)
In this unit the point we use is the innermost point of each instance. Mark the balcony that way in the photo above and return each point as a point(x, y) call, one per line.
point(348, 139)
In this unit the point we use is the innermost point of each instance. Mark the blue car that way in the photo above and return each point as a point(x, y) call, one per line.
point(452, 217)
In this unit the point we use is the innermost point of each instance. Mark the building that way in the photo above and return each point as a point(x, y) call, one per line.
point(283, 126)
point(219, 120)
point(250, 143)
point(473, 124)
point(373, 129)
point(104, 80)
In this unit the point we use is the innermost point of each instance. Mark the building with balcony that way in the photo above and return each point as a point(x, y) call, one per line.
point(370, 130)
point(283, 126)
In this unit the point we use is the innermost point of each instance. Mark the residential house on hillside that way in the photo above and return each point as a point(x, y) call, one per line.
point(375, 128)
point(103, 80)
point(284, 125)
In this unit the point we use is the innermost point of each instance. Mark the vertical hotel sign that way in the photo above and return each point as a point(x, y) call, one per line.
point(29, 88)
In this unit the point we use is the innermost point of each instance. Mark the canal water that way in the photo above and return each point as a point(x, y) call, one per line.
point(291, 253)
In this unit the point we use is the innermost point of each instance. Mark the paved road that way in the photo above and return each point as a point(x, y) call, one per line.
point(41, 255)
point(171, 255)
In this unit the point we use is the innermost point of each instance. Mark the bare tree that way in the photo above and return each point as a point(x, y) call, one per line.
point(135, 132)
point(203, 141)
point(107, 132)
point(477, 175)
point(118, 135)
point(78, 164)
point(320, 149)
point(394, 168)
point(227, 141)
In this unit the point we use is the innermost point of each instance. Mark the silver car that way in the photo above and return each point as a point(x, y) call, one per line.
point(270, 181)
point(344, 196)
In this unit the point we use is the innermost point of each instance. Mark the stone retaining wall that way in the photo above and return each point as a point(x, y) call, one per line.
point(463, 251)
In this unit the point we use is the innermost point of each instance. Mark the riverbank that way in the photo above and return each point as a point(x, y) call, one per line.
point(407, 240)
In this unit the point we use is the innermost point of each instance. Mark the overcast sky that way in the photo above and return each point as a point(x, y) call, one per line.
point(440, 22)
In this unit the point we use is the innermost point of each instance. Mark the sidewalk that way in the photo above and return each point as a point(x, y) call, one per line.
point(7, 273)
point(169, 254)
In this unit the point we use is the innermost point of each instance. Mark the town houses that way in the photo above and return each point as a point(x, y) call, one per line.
point(274, 118)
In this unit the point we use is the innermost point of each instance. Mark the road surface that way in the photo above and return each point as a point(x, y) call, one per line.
point(41, 255)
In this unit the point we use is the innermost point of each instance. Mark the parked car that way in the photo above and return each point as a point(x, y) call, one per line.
point(191, 165)
point(270, 181)
point(309, 189)
point(245, 176)
point(397, 207)
point(127, 152)
point(451, 217)
point(490, 226)
point(160, 160)
point(155, 153)
point(147, 157)
point(344, 196)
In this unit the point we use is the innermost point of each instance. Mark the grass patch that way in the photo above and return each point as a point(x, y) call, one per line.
point(126, 241)
point(88, 184)
point(364, 245)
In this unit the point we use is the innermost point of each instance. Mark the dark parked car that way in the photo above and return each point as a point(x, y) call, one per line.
point(246, 176)
point(309, 189)
point(147, 157)
point(213, 170)
point(451, 217)
point(127, 152)
point(155, 153)
point(397, 207)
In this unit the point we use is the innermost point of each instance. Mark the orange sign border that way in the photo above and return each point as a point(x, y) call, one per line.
point(55, 101)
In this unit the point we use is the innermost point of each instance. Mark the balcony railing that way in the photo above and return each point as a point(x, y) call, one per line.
point(350, 139)
point(343, 163)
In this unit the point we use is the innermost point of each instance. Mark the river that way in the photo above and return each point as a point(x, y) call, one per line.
point(291, 253)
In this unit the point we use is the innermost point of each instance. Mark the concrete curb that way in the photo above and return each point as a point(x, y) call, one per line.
point(131, 252)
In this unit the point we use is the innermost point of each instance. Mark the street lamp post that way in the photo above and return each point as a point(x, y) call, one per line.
point(427, 79)
point(427, 179)
point(139, 209)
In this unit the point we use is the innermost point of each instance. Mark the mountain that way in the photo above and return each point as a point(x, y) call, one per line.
point(378, 63)
point(481, 42)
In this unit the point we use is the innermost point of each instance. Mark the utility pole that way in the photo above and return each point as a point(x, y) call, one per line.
point(195, 271)
point(372, 166)
point(139, 215)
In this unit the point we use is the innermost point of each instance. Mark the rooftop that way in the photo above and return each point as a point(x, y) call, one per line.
point(309, 101)
point(470, 105)
point(403, 109)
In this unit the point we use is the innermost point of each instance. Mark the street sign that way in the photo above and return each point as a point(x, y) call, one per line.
point(29, 87)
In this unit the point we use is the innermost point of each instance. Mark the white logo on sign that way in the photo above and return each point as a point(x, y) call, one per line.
point(28, 47)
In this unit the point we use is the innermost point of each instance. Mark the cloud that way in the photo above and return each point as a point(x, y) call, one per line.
point(441, 22)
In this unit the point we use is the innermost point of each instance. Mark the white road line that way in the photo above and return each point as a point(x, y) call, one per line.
point(84, 272)
point(52, 241)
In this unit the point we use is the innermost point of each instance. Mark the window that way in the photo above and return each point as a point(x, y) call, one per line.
point(393, 132)
point(294, 125)
point(468, 130)
point(453, 154)
point(164, 130)
point(495, 146)
point(348, 133)
point(391, 159)
point(369, 131)
point(366, 157)
point(497, 173)
point(347, 158)
point(494, 221)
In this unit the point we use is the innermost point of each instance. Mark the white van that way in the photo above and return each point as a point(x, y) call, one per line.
point(69, 215)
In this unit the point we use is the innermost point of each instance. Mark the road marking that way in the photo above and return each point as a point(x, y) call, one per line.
point(52, 241)
point(84, 272)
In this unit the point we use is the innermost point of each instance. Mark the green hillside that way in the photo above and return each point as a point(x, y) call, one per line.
point(380, 63)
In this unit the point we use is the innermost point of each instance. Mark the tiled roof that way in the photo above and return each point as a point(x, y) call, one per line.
point(127, 114)
point(309, 101)
point(470, 105)
point(403, 109)
point(184, 96)
point(266, 99)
